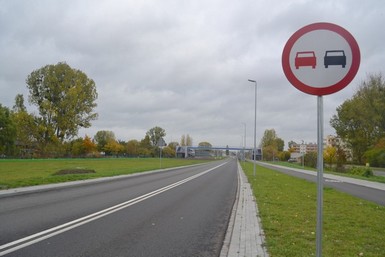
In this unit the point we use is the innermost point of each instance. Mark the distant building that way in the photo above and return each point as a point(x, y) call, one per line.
point(258, 154)
point(297, 150)
point(304, 148)
point(337, 142)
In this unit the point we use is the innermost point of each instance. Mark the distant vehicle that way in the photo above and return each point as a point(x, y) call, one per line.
point(306, 58)
point(335, 57)
point(181, 152)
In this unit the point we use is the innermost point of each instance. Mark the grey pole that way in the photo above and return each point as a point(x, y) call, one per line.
point(320, 167)
point(255, 125)
point(160, 156)
point(244, 142)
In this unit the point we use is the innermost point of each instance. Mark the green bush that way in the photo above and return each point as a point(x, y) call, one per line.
point(311, 159)
point(361, 171)
point(340, 168)
point(376, 157)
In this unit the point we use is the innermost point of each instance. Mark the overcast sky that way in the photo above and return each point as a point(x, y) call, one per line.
point(185, 65)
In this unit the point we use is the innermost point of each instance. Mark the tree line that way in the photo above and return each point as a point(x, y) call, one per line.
point(20, 138)
point(65, 99)
point(359, 122)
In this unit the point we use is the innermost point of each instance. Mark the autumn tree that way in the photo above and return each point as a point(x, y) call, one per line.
point(376, 155)
point(186, 140)
point(173, 145)
point(269, 138)
point(132, 147)
point(280, 144)
point(271, 144)
point(155, 134)
point(330, 155)
point(113, 148)
point(205, 144)
point(145, 147)
point(360, 120)
point(168, 152)
point(19, 104)
point(89, 146)
point(284, 155)
point(65, 98)
point(145, 142)
point(102, 137)
point(341, 157)
point(7, 131)
point(27, 134)
point(310, 159)
point(77, 148)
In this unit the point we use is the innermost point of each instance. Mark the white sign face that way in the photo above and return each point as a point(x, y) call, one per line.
point(321, 58)
point(161, 142)
point(320, 42)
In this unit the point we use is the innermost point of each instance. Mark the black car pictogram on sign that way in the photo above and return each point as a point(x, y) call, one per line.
point(335, 57)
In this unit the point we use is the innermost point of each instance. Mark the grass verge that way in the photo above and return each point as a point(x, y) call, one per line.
point(380, 179)
point(287, 206)
point(20, 173)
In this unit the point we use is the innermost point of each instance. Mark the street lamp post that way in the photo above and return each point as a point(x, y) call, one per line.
point(244, 143)
point(255, 124)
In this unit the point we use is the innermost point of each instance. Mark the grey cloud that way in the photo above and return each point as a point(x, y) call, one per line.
point(183, 65)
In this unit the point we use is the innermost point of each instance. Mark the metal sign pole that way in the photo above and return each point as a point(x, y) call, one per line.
point(160, 156)
point(320, 168)
point(161, 143)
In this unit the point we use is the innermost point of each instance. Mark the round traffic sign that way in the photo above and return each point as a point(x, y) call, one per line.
point(321, 58)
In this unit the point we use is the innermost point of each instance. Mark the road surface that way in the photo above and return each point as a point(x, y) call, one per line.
point(181, 212)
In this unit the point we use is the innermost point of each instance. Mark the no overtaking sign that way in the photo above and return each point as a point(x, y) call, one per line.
point(321, 58)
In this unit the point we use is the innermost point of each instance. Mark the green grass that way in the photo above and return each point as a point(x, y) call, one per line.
point(20, 173)
point(380, 179)
point(287, 206)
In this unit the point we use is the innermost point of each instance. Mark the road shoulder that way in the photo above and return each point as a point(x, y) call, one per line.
point(245, 236)
point(360, 182)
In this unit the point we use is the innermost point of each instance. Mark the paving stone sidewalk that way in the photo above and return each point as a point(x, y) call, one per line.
point(244, 236)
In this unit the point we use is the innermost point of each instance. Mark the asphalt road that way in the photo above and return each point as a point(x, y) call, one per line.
point(363, 190)
point(182, 212)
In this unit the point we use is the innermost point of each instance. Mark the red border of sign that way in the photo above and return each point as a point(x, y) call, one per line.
point(332, 88)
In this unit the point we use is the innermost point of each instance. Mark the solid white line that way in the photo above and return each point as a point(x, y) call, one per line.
point(32, 239)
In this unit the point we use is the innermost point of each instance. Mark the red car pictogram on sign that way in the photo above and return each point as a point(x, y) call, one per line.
point(306, 58)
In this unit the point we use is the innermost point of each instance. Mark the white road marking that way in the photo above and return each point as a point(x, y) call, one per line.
point(333, 181)
point(32, 239)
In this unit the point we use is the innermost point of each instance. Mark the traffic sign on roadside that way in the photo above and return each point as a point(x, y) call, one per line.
point(321, 58)
point(161, 142)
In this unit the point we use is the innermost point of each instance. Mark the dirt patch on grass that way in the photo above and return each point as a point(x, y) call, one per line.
point(74, 171)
